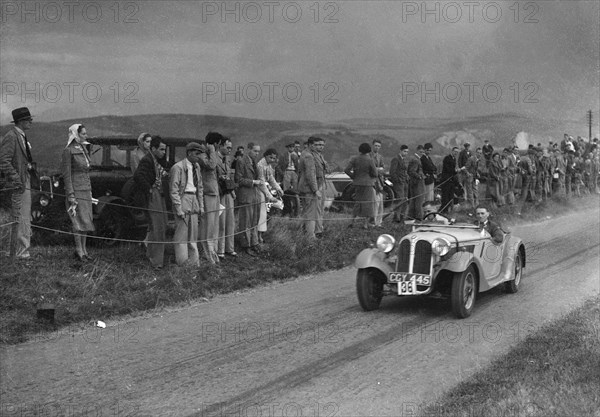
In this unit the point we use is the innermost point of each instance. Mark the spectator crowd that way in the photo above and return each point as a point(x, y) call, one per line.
point(216, 194)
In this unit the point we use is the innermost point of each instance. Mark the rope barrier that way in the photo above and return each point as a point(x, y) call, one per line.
point(8, 224)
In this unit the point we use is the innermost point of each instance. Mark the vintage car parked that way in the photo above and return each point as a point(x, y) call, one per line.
point(455, 261)
point(111, 177)
point(339, 191)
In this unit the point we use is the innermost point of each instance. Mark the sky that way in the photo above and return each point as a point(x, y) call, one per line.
point(302, 60)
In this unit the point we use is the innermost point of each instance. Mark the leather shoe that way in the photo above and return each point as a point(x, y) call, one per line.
point(231, 253)
point(251, 252)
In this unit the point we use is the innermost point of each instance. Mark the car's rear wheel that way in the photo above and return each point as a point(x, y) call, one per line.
point(111, 226)
point(369, 288)
point(464, 291)
point(513, 285)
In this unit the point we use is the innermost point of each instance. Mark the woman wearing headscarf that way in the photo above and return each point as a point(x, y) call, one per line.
point(78, 188)
point(361, 169)
point(143, 148)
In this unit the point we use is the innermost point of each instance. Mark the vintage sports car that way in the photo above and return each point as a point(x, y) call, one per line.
point(455, 261)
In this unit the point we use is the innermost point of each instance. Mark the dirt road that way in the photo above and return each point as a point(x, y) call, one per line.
point(301, 348)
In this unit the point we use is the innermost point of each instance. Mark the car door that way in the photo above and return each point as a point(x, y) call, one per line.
point(491, 256)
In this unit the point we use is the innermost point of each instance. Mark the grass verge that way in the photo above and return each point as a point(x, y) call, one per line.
point(553, 372)
point(121, 281)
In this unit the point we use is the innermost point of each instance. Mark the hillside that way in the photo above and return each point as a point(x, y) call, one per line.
point(343, 137)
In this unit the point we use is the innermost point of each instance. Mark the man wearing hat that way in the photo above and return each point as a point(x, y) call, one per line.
point(188, 202)
point(18, 167)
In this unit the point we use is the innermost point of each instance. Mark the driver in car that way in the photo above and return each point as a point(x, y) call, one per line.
point(430, 213)
point(482, 213)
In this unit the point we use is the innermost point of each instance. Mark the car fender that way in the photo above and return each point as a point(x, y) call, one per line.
point(373, 258)
point(459, 261)
point(107, 201)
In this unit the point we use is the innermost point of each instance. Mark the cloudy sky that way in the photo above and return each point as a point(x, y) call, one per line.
point(303, 60)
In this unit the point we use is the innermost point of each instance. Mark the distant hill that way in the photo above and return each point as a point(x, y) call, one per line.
point(342, 137)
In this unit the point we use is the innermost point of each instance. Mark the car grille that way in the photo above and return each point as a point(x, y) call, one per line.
point(422, 258)
point(422, 263)
point(403, 256)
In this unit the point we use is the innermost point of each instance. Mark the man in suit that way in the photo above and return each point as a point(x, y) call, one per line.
point(308, 187)
point(287, 169)
point(227, 193)
point(465, 179)
point(487, 151)
point(188, 202)
point(321, 169)
point(482, 214)
point(430, 172)
point(209, 222)
point(449, 180)
point(17, 166)
point(416, 185)
point(248, 200)
point(149, 194)
point(287, 173)
point(399, 177)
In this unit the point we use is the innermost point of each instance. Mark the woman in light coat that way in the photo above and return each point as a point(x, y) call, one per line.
point(78, 188)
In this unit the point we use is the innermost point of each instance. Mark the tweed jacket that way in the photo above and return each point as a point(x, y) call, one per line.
point(75, 168)
point(307, 173)
point(144, 179)
point(415, 170)
point(284, 162)
point(178, 180)
point(361, 169)
point(13, 159)
point(399, 170)
point(208, 165)
point(246, 172)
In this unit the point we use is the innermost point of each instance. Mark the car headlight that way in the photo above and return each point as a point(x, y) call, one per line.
point(385, 243)
point(44, 201)
point(440, 246)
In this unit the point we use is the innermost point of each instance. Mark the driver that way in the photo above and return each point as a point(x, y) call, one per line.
point(482, 213)
point(430, 213)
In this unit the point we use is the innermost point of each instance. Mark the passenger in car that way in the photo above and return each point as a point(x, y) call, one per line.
point(482, 213)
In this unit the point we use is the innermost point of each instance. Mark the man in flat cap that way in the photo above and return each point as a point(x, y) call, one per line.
point(188, 202)
point(17, 165)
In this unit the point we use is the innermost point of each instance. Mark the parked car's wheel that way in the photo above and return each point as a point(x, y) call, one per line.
point(348, 194)
point(111, 225)
point(464, 291)
point(388, 196)
point(369, 288)
point(513, 286)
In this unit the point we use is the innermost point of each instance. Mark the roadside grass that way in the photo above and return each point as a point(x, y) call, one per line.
point(121, 282)
point(553, 372)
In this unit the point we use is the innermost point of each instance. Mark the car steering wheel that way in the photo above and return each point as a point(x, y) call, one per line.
point(431, 217)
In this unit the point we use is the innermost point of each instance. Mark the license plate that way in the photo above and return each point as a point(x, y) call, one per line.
point(407, 283)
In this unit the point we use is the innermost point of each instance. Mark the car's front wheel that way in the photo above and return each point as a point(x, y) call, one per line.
point(369, 288)
point(464, 291)
point(513, 285)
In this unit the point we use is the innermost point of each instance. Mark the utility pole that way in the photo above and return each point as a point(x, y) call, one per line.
point(590, 125)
